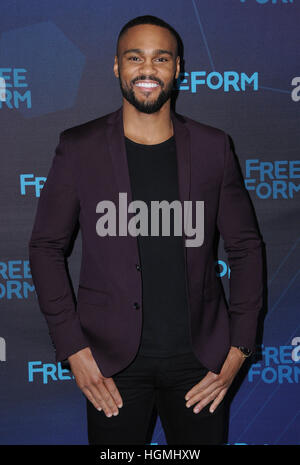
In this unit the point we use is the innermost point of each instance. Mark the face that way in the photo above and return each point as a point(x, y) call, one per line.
point(147, 66)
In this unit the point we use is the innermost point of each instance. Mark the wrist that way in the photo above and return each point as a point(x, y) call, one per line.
point(243, 351)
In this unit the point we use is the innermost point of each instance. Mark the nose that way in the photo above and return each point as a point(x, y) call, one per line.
point(147, 67)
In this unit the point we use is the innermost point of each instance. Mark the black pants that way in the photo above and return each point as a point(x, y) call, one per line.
point(150, 382)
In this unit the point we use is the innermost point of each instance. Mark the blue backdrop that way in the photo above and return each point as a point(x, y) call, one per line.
point(241, 75)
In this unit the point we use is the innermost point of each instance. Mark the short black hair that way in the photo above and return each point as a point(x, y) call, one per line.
point(149, 19)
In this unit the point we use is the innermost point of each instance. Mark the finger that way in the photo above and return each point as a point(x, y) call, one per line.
point(114, 391)
point(200, 405)
point(201, 394)
point(208, 379)
point(217, 401)
point(103, 401)
point(108, 404)
point(91, 398)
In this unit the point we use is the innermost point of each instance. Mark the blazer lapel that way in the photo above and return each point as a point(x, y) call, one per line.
point(117, 148)
point(183, 151)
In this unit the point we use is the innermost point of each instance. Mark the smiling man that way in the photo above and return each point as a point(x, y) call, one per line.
point(151, 327)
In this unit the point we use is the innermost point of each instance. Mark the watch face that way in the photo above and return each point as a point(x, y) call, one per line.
point(245, 351)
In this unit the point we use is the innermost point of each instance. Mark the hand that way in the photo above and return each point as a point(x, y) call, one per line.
point(102, 392)
point(213, 387)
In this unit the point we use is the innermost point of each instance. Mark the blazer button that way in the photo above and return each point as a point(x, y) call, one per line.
point(138, 267)
point(136, 305)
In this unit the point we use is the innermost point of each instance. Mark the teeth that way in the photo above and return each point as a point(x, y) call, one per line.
point(147, 84)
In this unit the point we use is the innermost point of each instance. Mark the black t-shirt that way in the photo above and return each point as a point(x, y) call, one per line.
point(153, 176)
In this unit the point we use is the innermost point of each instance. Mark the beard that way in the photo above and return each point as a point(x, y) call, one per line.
point(147, 106)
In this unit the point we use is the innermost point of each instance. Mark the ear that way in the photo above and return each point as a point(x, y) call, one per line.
point(177, 67)
point(116, 67)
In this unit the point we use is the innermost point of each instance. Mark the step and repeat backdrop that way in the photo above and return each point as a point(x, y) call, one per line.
point(242, 75)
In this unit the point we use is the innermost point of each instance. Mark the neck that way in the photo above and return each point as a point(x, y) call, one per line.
point(146, 128)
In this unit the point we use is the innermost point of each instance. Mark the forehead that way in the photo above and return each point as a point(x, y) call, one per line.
point(147, 37)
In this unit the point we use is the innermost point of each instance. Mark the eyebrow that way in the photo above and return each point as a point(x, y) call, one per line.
point(158, 51)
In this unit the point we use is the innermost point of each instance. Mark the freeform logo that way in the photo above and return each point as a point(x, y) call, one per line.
point(296, 351)
point(38, 183)
point(229, 80)
point(223, 269)
point(164, 207)
point(241, 444)
point(274, 179)
point(2, 350)
point(279, 364)
point(296, 92)
point(15, 80)
point(47, 371)
point(14, 274)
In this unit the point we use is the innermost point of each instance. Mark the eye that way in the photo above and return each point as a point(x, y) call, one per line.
point(131, 58)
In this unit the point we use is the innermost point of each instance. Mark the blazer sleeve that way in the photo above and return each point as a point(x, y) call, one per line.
point(55, 220)
point(243, 244)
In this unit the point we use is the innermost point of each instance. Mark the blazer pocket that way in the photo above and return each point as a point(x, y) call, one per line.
point(92, 296)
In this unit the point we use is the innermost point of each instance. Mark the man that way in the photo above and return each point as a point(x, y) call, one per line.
point(151, 326)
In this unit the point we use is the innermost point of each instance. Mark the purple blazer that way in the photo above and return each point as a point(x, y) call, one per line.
point(90, 164)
